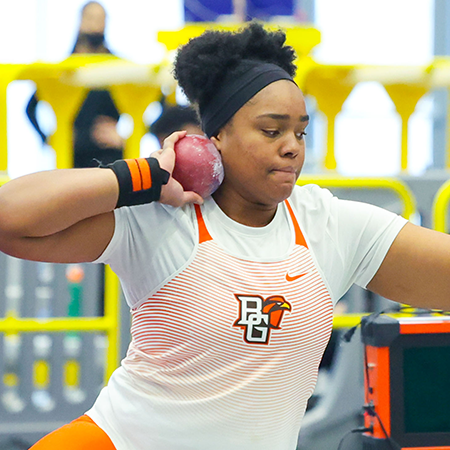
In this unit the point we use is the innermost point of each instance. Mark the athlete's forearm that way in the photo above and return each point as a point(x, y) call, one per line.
point(44, 203)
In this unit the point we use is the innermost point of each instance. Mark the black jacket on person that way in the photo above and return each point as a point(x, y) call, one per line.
point(97, 103)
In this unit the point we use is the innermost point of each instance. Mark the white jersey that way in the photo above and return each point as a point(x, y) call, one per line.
point(230, 322)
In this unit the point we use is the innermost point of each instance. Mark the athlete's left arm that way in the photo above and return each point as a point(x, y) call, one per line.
point(416, 269)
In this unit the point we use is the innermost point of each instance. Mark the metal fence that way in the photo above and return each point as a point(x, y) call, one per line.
point(58, 343)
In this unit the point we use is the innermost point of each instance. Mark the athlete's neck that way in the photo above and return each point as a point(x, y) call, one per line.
point(245, 212)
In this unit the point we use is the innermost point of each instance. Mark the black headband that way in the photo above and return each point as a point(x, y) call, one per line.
point(236, 91)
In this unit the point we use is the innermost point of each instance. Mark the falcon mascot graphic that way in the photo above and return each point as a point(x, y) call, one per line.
point(258, 316)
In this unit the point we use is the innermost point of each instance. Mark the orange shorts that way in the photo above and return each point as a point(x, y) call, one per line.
point(81, 434)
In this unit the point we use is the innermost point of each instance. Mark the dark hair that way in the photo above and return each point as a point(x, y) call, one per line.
point(173, 118)
point(202, 64)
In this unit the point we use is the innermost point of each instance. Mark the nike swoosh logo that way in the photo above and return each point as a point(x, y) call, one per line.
point(295, 277)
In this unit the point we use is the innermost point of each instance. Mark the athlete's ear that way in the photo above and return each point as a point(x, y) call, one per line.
point(217, 140)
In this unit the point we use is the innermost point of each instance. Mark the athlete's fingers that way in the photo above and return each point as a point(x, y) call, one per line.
point(170, 141)
point(173, 194)
point(192, 197)
point(166, 156)
point(185, 198)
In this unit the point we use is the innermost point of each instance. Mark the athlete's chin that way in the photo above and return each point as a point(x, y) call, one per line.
point(287, 188)
point(282, 192)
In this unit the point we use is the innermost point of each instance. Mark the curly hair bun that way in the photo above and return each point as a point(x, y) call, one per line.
point(202, 64)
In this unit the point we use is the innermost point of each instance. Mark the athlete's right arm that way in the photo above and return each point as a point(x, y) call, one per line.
point(58, 215)
point(67, 215)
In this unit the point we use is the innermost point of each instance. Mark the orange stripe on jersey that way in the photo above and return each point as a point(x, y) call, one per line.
point(299, 238)
point(136, 178)
point(145, 173)
point(203, 233)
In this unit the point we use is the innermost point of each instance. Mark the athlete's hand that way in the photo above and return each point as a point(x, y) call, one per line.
point(173, 193)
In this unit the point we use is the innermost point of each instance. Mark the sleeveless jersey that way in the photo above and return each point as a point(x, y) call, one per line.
point(227, 352)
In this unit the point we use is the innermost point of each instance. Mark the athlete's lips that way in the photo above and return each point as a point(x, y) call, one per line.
point(286, 171)
point(289, 169)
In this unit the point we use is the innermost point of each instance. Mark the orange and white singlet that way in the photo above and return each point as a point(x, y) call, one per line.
point(225, 352)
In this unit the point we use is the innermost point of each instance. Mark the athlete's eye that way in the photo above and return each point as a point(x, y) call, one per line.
point(271, 133)
point(300, 135)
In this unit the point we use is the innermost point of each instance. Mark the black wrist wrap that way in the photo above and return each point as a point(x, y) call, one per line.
point(140, 180)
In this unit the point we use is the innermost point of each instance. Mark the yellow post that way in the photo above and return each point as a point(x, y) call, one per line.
point(65, 101)
point(134, 100)
point(8, 73)
point(4, 81)
point(112, 311)
point(405, 98)
point(329, 87)
point(440, 208)
point(447, 134)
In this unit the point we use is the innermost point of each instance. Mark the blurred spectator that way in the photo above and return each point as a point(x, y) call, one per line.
point(176, 118)
point(95, 134)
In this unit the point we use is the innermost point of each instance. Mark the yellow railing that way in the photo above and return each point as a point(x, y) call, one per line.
point(112, 315)
point(331, 84)
point(109, 323)
point(134, 86)
point(64, 86)
point(440, 207)
point(392, 184)
point(352, 319)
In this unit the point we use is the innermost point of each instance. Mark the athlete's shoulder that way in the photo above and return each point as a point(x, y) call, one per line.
point(148, 226)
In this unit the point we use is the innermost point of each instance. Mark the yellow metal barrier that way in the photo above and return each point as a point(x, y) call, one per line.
point(326, 83)
point(440, 207)
point(112, 313)
point(135, 86)
point(331, 84)
point(392, 184)
point(351, 320)
point(405, 85)
point(397, 186)
point(109, 323)
point(64, 86)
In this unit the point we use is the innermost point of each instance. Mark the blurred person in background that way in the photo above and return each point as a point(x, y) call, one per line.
point(175, 118)
point(95, 133)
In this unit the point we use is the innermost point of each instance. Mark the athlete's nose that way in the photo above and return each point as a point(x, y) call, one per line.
point(292, 146)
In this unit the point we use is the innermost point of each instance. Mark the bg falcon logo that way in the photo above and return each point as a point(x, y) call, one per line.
point(258, 316)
